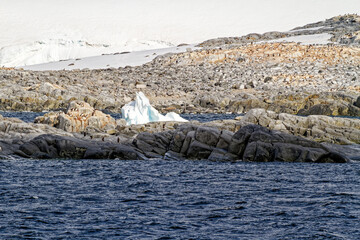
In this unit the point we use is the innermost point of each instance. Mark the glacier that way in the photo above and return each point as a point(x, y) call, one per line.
point(140, 112)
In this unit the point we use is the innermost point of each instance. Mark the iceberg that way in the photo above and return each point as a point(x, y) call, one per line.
point(140, 112)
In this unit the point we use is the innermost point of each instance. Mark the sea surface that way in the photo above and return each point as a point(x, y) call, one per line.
point(158, 199)
point(24, 116)
point(162, 199)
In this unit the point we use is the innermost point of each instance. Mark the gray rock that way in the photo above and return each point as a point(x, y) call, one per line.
point(315, 127)
point(198, 150)
point(207, 135)
point(29, 148)
point(52, 146)
point(240, 139)
point(190, 137)
point(222, 155)
point(258, 152)
point(177, 141)
point(224, 139)
point(251, 143)
point(285, 152)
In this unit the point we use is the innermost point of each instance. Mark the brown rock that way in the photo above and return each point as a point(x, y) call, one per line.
point(78, 117)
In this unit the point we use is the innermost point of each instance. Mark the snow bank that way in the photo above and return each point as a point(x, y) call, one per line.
point(123, 25)
point(140, 112)
point(116, 60)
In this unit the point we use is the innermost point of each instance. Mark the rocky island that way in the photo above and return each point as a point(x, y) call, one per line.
point(289, 89)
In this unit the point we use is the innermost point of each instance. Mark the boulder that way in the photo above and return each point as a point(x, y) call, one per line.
point(258, 152)
point(224, 140)
point(240, 139)
point(190, 137)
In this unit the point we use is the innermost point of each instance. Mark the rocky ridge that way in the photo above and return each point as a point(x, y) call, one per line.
point(344, 30)
point(251, 143)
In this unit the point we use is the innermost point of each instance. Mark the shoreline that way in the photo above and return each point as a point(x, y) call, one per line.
point(59, 135)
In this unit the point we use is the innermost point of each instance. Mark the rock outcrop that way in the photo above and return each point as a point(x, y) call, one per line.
point(344, 29)
point(251, 143)
point(15, 129)
point(14, 132)
point(53, 146)
point(79, 117)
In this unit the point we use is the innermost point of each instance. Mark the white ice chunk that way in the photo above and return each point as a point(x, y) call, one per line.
point(140, 112)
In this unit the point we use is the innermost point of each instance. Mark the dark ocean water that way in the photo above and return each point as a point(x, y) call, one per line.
point(30, 116)
point(107, 199)
point(25, 116)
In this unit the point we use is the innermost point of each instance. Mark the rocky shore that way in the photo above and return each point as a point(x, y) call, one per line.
point(82, 133)
point(251, 143)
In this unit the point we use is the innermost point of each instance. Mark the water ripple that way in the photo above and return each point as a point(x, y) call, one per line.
point(105, 199)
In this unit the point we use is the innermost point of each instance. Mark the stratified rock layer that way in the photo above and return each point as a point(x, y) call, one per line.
point(53, 146)
point(251, 143)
